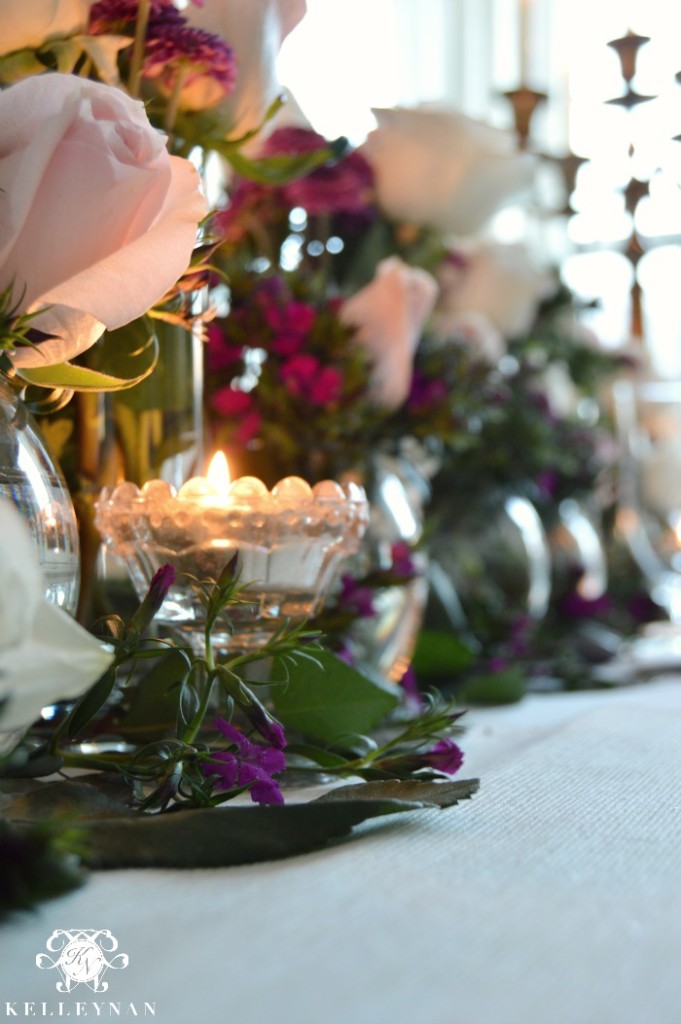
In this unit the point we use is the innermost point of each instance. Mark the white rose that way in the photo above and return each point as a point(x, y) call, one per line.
point(440, 169)
point(498, 281)
point(27, 24)
point(44, 654)
point(389, 314)
point(255, 29)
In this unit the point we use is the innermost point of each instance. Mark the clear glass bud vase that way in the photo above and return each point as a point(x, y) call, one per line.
point(31, 479)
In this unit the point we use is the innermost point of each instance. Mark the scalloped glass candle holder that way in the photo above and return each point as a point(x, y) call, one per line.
point(290, 542)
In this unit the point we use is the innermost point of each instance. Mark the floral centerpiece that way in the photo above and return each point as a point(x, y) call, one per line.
point(499, 386)
point(87, 166)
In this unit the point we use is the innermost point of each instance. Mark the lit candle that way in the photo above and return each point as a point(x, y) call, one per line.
point(290, 541)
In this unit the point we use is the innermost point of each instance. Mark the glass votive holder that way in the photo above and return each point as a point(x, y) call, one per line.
point(290, 543)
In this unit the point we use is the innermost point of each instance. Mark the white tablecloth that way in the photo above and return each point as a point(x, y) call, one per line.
point(552, 897)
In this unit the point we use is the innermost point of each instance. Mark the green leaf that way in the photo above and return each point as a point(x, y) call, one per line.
point(36, 863)
point(67, 800)
point(328, 699)
point(67, 53)
point(440, 654)
point(439, 794)
point(278, 170)
point(495, 688)
point(90, 703)
point(155, 698)
point(19, 65)
point(226, 836)
point(123, 359)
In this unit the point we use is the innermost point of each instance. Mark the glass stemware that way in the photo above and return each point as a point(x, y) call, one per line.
point(649, 501)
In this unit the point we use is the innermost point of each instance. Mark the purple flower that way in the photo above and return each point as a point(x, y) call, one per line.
point(425, 392)
point(547, 484)
point(574, 606)
point(171, 47)
point(305, 377)
point(114, 16)
point(497, 664)
point(246, 764)
point(410, 685)
point(355, 598)
point(403, 562)
point(445, 756)
point(171, 43)
point(343, 186)
point(161, 583)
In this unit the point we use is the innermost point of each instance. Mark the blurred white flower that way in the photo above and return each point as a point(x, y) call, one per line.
point(44, 654)
point(479, 335)
point(498, 281)
point(440, 169)
point(389, 314)
point(255, 29)
point(28, 24)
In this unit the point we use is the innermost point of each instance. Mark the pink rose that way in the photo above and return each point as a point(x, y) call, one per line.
point(255, 29)
point(28, 24)
point(97, 220)
point(389, 314)
point(438, 168)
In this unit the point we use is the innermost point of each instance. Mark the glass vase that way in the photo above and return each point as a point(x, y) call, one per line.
point(383, 640)
point(157, 426)
point(31, 479)
point(493, 564)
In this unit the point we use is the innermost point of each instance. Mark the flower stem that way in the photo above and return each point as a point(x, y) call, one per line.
point(143, 12)
point(174, 101)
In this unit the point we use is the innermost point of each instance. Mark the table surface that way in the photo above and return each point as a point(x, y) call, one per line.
point(552, 897)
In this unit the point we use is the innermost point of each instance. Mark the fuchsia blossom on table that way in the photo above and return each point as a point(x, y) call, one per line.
point(245, 764)
point(445, 756)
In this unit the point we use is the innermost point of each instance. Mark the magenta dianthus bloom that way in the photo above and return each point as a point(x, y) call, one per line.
point(445, 756)
point(248, 764)
point(342, 186)
point(355, 598)
point(305, 377)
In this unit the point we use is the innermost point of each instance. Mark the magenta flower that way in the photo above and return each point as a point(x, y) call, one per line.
point(161, 583)
point(410, 685)
point(172, 48)
point(356, 599)
point(245, 764)
point(291, 324)
point(305, 377)
point(425, 392)
point(113, 16)
point(239, 406)
point(221, 354)
point(344, 186)
point(446, 756)
point(402, 559)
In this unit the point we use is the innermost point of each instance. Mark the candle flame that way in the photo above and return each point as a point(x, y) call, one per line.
point(218, 473)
